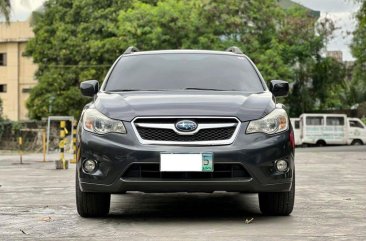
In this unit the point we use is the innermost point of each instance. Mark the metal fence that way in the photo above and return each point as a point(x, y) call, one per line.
point(31, 133)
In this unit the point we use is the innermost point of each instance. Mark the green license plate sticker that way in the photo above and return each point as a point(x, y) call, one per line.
point(207, 162)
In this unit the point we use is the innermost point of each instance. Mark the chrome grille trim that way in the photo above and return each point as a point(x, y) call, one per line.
point(171, 126)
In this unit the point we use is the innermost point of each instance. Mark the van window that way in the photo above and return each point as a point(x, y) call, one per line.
point(297, 124)
point(356, 124)
point(335, 121)
point(314, 120)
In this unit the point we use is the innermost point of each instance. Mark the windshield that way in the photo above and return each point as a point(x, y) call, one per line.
point(184, 71)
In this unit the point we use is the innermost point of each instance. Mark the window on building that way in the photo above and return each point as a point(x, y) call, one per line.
point(335, 121)
point(314, 120)
point(2, 59)
point(2, 88)
point(26, 90)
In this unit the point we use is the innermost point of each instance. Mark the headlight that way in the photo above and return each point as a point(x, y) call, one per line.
point(96, 122)
point(274, 122)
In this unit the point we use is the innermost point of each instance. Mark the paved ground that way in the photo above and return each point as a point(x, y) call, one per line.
point(37, 202)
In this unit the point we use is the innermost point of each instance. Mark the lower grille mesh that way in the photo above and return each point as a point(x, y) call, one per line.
point(152, 171)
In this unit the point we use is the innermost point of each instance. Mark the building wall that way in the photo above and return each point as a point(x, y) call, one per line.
point(27, 81)
point(337, 55)
point(18, 73)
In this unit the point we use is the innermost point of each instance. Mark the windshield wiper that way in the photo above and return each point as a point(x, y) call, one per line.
point(192, 88)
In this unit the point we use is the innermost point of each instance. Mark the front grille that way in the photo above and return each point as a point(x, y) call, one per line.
point(162, 130)
point(152, 171)
point(170, 135)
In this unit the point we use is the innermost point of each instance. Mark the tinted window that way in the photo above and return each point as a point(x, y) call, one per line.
point(297, 124)
point(177, 71)
point(314, 120)
point(335, 121)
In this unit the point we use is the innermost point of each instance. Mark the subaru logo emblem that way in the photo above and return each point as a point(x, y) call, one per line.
point(186, 125)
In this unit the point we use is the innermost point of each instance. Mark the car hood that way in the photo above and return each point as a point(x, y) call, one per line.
point(127, 106)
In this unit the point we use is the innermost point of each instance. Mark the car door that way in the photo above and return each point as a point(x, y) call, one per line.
point(357, 130)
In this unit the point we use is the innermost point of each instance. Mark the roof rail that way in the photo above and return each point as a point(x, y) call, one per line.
point(234, 50)
point(131, 50)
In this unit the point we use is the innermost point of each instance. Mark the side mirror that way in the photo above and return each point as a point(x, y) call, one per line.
point(89, 87)
point(279, 87)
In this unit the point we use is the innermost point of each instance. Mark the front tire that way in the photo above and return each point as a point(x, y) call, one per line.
point(357, 142)
point(277, 203)
point(321, 143)
point(91, 204)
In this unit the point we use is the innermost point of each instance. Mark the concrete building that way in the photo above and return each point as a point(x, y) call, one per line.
point(349, 65)
point(16, 72)
point(337, 55)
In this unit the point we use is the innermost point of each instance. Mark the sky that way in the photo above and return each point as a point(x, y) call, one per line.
point(341, 11)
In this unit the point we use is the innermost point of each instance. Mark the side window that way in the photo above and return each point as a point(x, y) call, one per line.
point(314, 120)
point(352, 123)
point(297, 124)
point(335, 121)
point(355, 124)
point(26, 90)
point(359, 125)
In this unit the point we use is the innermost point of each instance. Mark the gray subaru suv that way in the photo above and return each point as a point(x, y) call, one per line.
point(184, 121)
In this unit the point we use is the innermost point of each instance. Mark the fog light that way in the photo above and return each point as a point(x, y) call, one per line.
point(281, 165)
point(89, 165)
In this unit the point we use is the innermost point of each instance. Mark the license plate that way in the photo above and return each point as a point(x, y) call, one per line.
point(192, 162)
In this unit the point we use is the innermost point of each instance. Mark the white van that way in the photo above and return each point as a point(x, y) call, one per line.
point(356, 132)
point(295, 122)
point(332, 129)
point(323, 129)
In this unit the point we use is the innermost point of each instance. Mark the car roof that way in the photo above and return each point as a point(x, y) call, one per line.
point(183, 51)
point(323, 114)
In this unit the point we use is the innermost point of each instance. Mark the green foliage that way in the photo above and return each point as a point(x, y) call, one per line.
point(77, 40)
point(170, 24)
point(74, 41)
point(1, 109)
point(285, 44)
point(357, 89)
point(328, 77)
point(5, 8)
point(320, 87)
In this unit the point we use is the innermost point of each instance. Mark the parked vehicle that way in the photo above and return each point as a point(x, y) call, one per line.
point(331, 129)
point(184, 121)
point(295, 122)
point(357, 132)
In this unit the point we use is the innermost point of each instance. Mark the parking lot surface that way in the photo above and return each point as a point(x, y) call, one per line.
point(38, 202)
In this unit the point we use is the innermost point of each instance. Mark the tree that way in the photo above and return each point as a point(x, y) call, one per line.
point(285, 44)
point(74, 41)
point(1, 110)
point(305, 37)
point(5, 9)
point(208, 24)
point(357, 88)
point(79, 39)
point(328, 80)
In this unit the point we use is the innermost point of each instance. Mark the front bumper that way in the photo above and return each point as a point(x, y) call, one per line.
point(115, 153)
